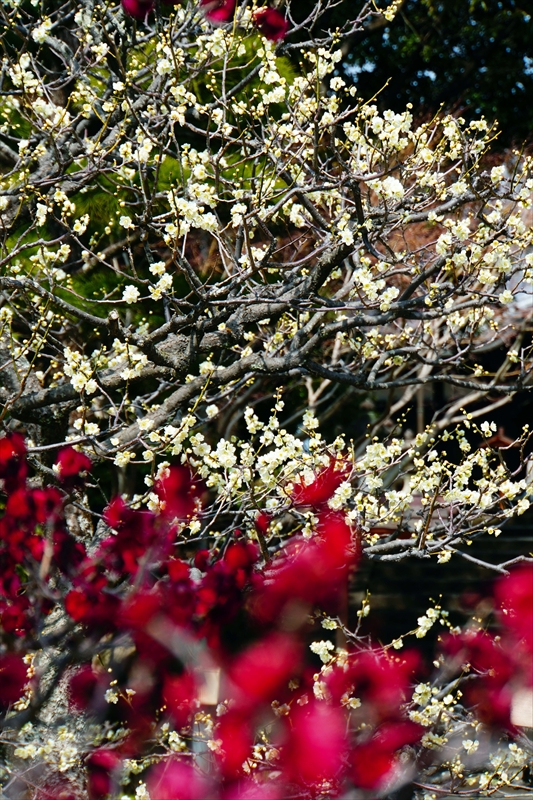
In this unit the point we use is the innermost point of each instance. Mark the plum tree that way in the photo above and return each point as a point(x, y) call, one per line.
point(218, 264)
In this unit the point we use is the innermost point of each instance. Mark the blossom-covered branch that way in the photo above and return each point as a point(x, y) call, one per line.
point(210, 248)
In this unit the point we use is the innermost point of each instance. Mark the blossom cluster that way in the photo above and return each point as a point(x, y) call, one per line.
point(414, 185)
point(158, 626)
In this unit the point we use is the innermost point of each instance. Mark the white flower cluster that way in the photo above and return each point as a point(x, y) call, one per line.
point(163, 286)
point(40, 33)
point(190, 214)
point(431, 708)
point(266, 469)
point(128, 359)
point(79, 370)
point(59, 749)
point(389, 188)
point(323, 649)
point(426, 622)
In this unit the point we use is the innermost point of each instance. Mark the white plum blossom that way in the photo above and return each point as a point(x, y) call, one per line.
point(390, 188)
point(323, 650)
point(123, 458)
point(130, 294)
point(40, 33)
point(163, 285)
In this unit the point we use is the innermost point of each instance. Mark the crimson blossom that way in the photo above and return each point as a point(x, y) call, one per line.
point(271, 23)
point(137, 8)
point(218, 11)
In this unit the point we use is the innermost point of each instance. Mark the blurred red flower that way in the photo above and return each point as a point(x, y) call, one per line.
point(218, 10)
point(13, 467)
point(81, 688)
point(308, 571)
point(102, 766)
point(175, 779)
point(374, 762)
point(13, 678)
point(271, 23)
point(179, 492)
point(179, 695)
point(514, 602)
point(493, 668)
point(264, 668)
point(137, 9)
point(323, 487)
point(94, 607)
point(248, 789)
point(316, 744)
point(71, 466)
point(236, 736)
